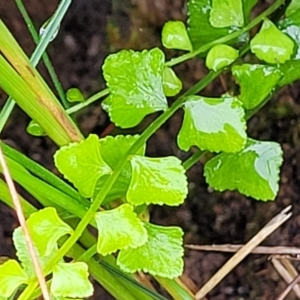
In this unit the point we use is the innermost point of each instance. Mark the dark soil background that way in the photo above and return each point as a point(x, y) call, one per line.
point(91, 30)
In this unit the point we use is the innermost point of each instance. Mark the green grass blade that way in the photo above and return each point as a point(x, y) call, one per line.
point(43, 192)
point(45, 56)
point(41, 172)
point(175, 289)
point(36, 106)
point(139, 290)
point(6, 198)
point(60, 128)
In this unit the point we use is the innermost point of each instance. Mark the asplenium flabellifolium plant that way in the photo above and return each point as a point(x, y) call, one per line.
point(115, 181)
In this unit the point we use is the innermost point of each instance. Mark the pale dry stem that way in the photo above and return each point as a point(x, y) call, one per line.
point(289, 275)
point(270, 250)
point(21, 218)
point(284, 215)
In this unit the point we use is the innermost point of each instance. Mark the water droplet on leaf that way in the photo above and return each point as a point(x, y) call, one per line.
point(44, 30)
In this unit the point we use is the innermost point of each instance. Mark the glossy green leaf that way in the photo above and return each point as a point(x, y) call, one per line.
point(157, 180)
point(290, 71)
point(162, 255)
point(135, 84)
point(22, 251)
point(293, 31)
point(291, 27)
point(82, 164)
point(46, 228)
point(172, 85)
point(200, 29)
point(175, 36)
point(293, 7)
point(11, 277)
point(119, 228)
point(221, 56)
point(71, 280)
point(35, 129)
point(112, 150)
point(256, 83)
point(292, 19)
point(74, 95)
point(214, 124)
point(226, 13)
point(23, 254)
point(271, 45)
point(254, 171)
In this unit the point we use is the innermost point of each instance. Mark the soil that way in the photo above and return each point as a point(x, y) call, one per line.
point(91, 30)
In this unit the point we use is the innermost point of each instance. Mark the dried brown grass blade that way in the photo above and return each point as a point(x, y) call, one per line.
point(289, 267)
point(188, 282)
point(288, 276)
point(289, 288)
point(258, 250)
point(284, 215)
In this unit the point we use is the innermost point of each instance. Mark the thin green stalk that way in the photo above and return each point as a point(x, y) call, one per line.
point(193, 159)
point(227, 38)
point(45, 56)
point(90, 100)
point(88, 254)
point(51, 28)
point(252, 112)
